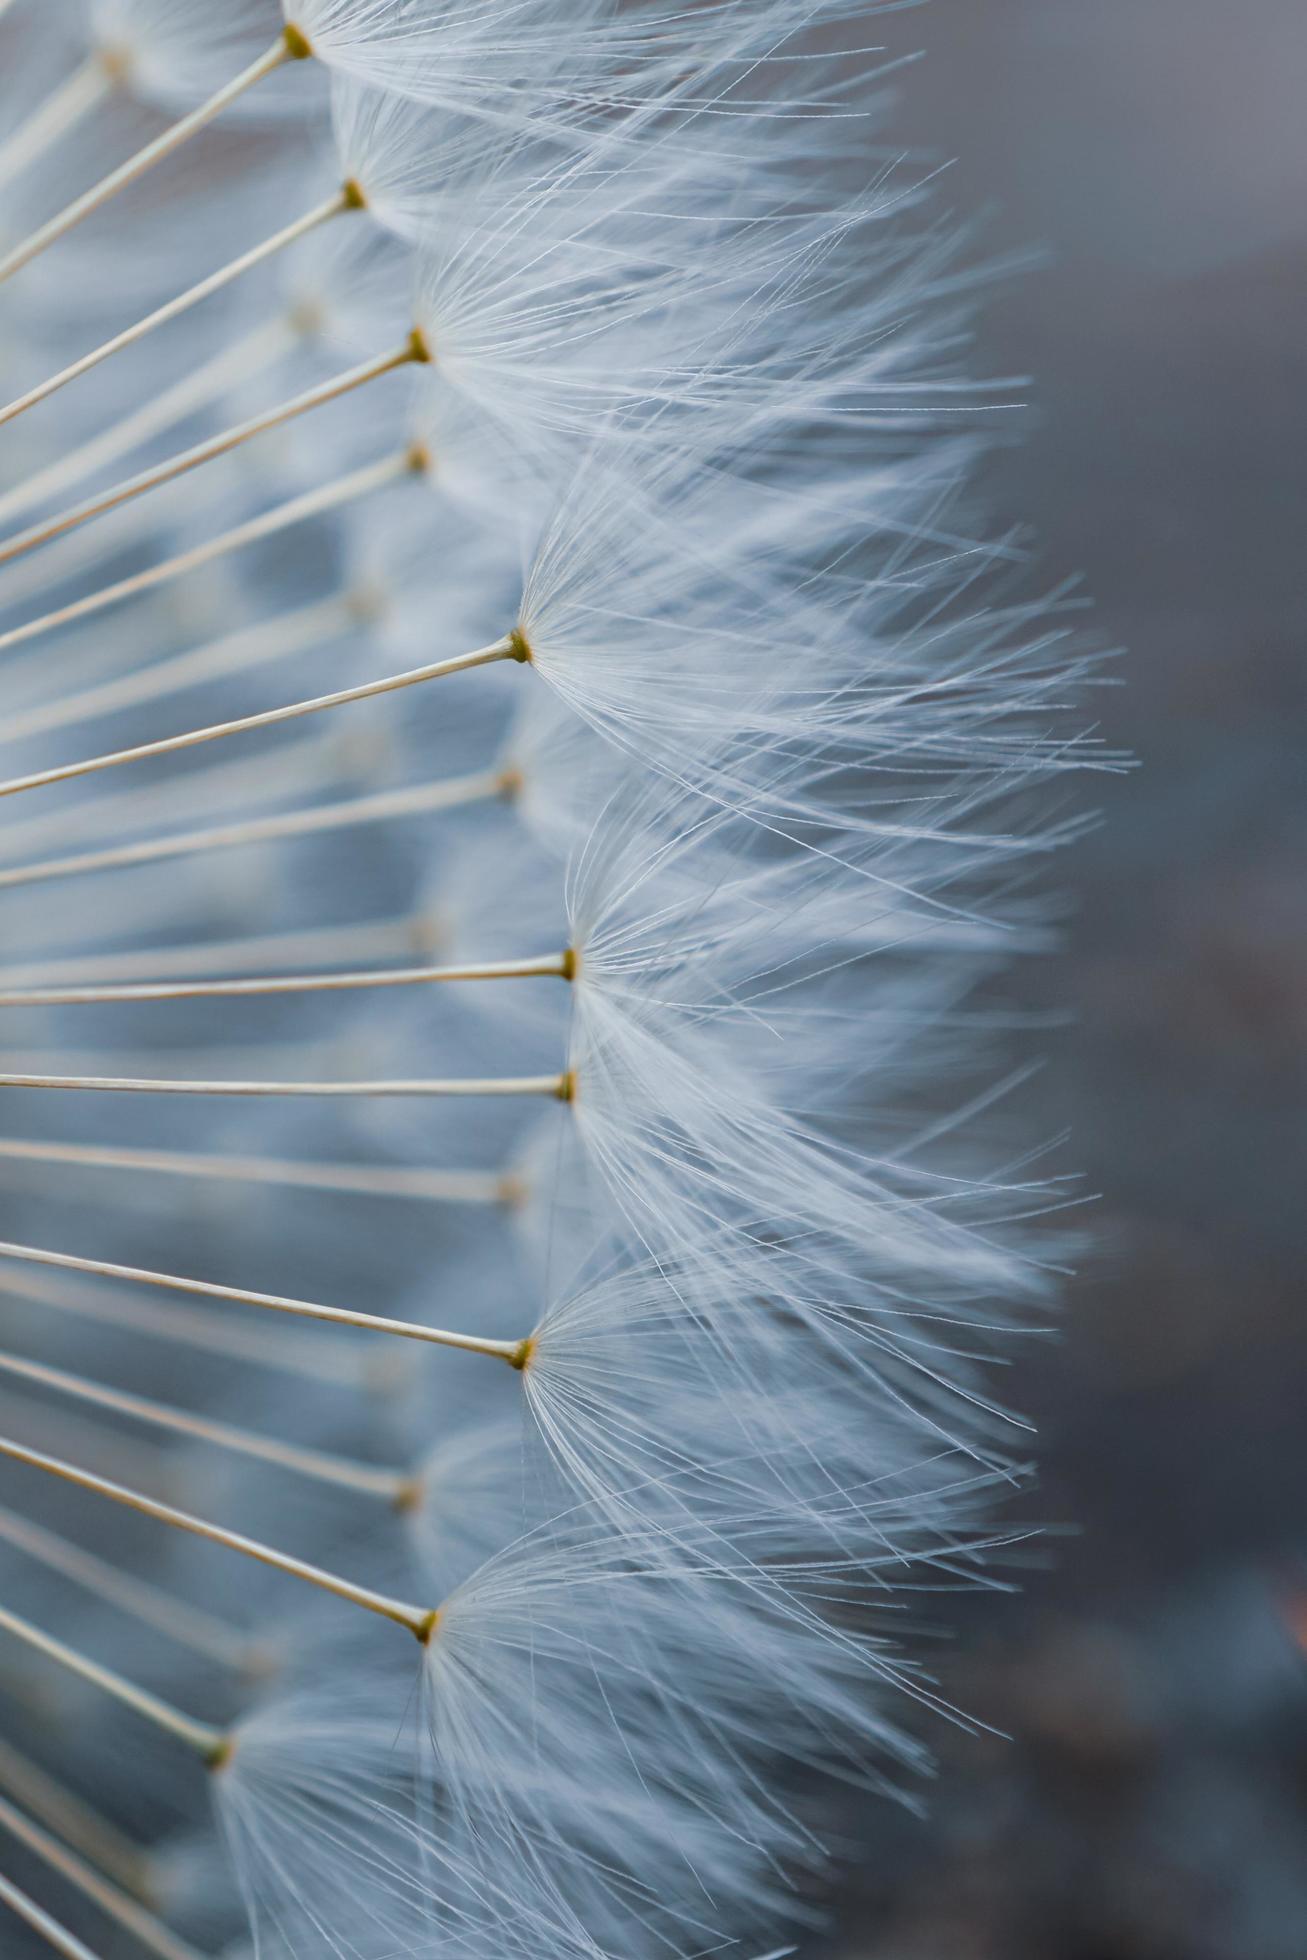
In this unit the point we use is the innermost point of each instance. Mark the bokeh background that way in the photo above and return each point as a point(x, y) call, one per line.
point(1151, 1802)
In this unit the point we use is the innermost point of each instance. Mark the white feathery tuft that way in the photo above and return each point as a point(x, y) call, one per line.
point(521, 774)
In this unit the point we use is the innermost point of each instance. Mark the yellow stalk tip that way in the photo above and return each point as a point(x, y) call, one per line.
point(408, 1497)
point(217, 1758)
point(521, 646)
point(297, 43)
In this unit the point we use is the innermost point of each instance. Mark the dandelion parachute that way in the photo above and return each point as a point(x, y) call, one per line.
point(518, 767)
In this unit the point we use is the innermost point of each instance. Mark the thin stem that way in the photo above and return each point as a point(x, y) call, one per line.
point(278, 638)
point(423, 799)
point(149, 1465)
point(510, 1351)
point(200, 1736)
point(187, 1625)
point(114, 1903)
point(69, 104)
point(314, 503)
point(317, 1465)
point(556, 1086)
point(553, 966)
point(419, 1620)
point(357, 1180)
point(412, 351)
point(77, 1824)
point(321, 945)
point(505, 649)
point(335, 1362)
point(199, 387)
point(345, 199)
point(164, 145)
point(41, 1923)
point(294, 768)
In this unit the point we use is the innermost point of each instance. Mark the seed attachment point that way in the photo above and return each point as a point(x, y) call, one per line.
point(220, 1754)
point(297, 44)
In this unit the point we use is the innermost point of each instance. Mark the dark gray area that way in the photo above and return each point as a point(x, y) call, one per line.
point(1152, 1801)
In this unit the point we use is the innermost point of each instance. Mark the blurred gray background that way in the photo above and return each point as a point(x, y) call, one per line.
point(1151, 1803)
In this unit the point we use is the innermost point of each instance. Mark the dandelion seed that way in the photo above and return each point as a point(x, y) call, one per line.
point(514, 778)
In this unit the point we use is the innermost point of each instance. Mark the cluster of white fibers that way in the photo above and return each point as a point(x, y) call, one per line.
point(518, 772)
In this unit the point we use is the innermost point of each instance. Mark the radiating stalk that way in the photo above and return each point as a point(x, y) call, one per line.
point(355, 1180)
point(558, 966)
point(348, 198)
point(191, 738)
point(297, 510)
point(76, 1823)
point(324, 946)
point(558, 1087)
point(116, 1904)
point(423, 799)
point(278, 638)
point(198, 1631)
point(420, 1620)
point(510, 1351)
point(68, 105)
point(293, 769)
point(200, 1736)
point(363, 1479)
point(198, 388)
point(288, 47)
point(56, 1936)
point(413, 351)
point(336, 1361)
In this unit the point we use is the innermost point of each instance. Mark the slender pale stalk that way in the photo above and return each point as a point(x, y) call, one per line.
point(42, 1924)
point(148, 1464)
point(289, 46)
point(319, 945)
point(276, 1056)
point(77, 1824)
point(191, 738)
point(420, 1620)
point(297, 510)
point(198, 1631)
point(200, 1736)
point(197, 389)
point(334, 1361)
point(364, 1479)
point(424, 799)
point(510, 1351)
point(412, 352)
point(355, 1180)
point(557, 966)
point(558, 1087)
point(116, 1904)
point(348, 198)
point(294, 768)
point(68, 105)
point(279, 638)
